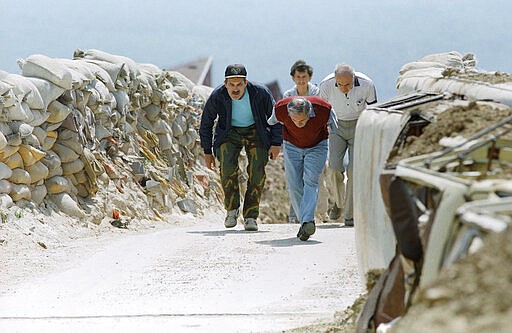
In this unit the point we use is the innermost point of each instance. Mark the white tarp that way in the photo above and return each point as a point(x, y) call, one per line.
point(376, 133)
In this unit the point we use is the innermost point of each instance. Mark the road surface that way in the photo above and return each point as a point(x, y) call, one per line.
point(193, 276)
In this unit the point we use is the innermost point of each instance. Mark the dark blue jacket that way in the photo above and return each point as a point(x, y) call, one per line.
point(219, 105)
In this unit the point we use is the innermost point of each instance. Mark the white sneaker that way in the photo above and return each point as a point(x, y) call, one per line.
point(231, 218)
point(250, 224)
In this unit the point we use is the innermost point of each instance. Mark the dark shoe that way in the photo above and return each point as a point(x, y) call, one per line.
point(334, 212)
point(306, 229)
point(349, 222)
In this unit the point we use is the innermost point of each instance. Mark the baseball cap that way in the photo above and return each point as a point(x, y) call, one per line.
point(235, 70)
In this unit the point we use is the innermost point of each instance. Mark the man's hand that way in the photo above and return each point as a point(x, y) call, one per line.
point(273, 152)
point(209, 161)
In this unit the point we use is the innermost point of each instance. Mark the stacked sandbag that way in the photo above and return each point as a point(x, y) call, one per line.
point(72, 128)
point(454, 73)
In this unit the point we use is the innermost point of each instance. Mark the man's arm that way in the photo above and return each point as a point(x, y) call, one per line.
point(206, 128)
point(276, 130)
point(372, 94)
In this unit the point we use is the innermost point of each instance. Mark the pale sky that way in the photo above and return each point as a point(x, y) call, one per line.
point(376, 37)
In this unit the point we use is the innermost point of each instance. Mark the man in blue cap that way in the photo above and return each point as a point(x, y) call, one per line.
point(241, 109)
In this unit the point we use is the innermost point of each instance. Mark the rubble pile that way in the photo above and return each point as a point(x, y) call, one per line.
point(101, 133)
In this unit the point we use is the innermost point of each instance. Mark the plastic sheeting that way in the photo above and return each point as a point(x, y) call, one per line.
point(376, 133)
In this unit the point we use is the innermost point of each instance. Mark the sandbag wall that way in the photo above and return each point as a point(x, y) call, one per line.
point(70, 127)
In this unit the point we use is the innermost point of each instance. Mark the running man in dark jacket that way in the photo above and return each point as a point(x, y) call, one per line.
point(241, 109)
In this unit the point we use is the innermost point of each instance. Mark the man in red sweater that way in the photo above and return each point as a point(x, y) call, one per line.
point(305, 120)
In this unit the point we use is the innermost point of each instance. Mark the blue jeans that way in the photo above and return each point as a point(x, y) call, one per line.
point(302, 167)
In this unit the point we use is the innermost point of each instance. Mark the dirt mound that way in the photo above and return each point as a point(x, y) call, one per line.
point(473, 295)
point(457, 121)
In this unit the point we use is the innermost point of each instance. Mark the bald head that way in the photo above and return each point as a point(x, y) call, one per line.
point(344, 75)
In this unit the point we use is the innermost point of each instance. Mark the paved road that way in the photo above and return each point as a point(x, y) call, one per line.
point(189, 277)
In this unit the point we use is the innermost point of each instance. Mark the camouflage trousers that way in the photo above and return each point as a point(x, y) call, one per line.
point(228, 155)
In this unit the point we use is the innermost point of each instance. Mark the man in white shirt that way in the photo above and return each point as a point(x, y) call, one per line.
point(349, 93)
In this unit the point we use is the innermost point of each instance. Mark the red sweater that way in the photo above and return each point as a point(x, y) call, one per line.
point(315, 130)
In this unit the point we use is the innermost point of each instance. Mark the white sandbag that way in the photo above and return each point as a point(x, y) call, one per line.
point(450, 59)
point(67, 205)
point(99, 73)
point(188, 140)
point(102, 132)
point(116, 72)
point(74, 145)
point(4, 86)
point(15, 112)
point(81, 177)
point(72, 179)
point(29, 92)
point(152, 112)
point(39, 133)
point(3, 141)
point(182, 91)
point(25, 130)
point(14, 139)
point(6, 201)
point(161, 127)
point(169, 96)
point(72, 167)
point(80, 75)
point(14, 161)
point(420, 65)
point(51, 160)
point(52, 134)
point(7, 152)
point(5, 186)
point(102, 89)
point(202, 92)
point(49, 127)
point(39, 117)
point(122, 100)
point(72, 121)
point(30, 115)
point(20, 176)
point(43, 67)
point(66, 154)
point(150, 69)
point(48, 91)
point(32, 140)
point(38, 194)
point(178, 79)
point(4, 77)
point(67, 134)
point(7, 99)
point(55, 172)
point(57, 184)
point(164, 141)
point(82, 190)
point(5, 171)
point(20, 192)
point(58, 112)
point(5, 128)
point(104, 56)
point(48, 143)
point(142, 121)
point(179, 125)
point(30, 155)
point(37, 172)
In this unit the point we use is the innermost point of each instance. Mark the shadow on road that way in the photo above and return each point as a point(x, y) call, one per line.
point(225, 232)
point(292, 241)
point(330, 225)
